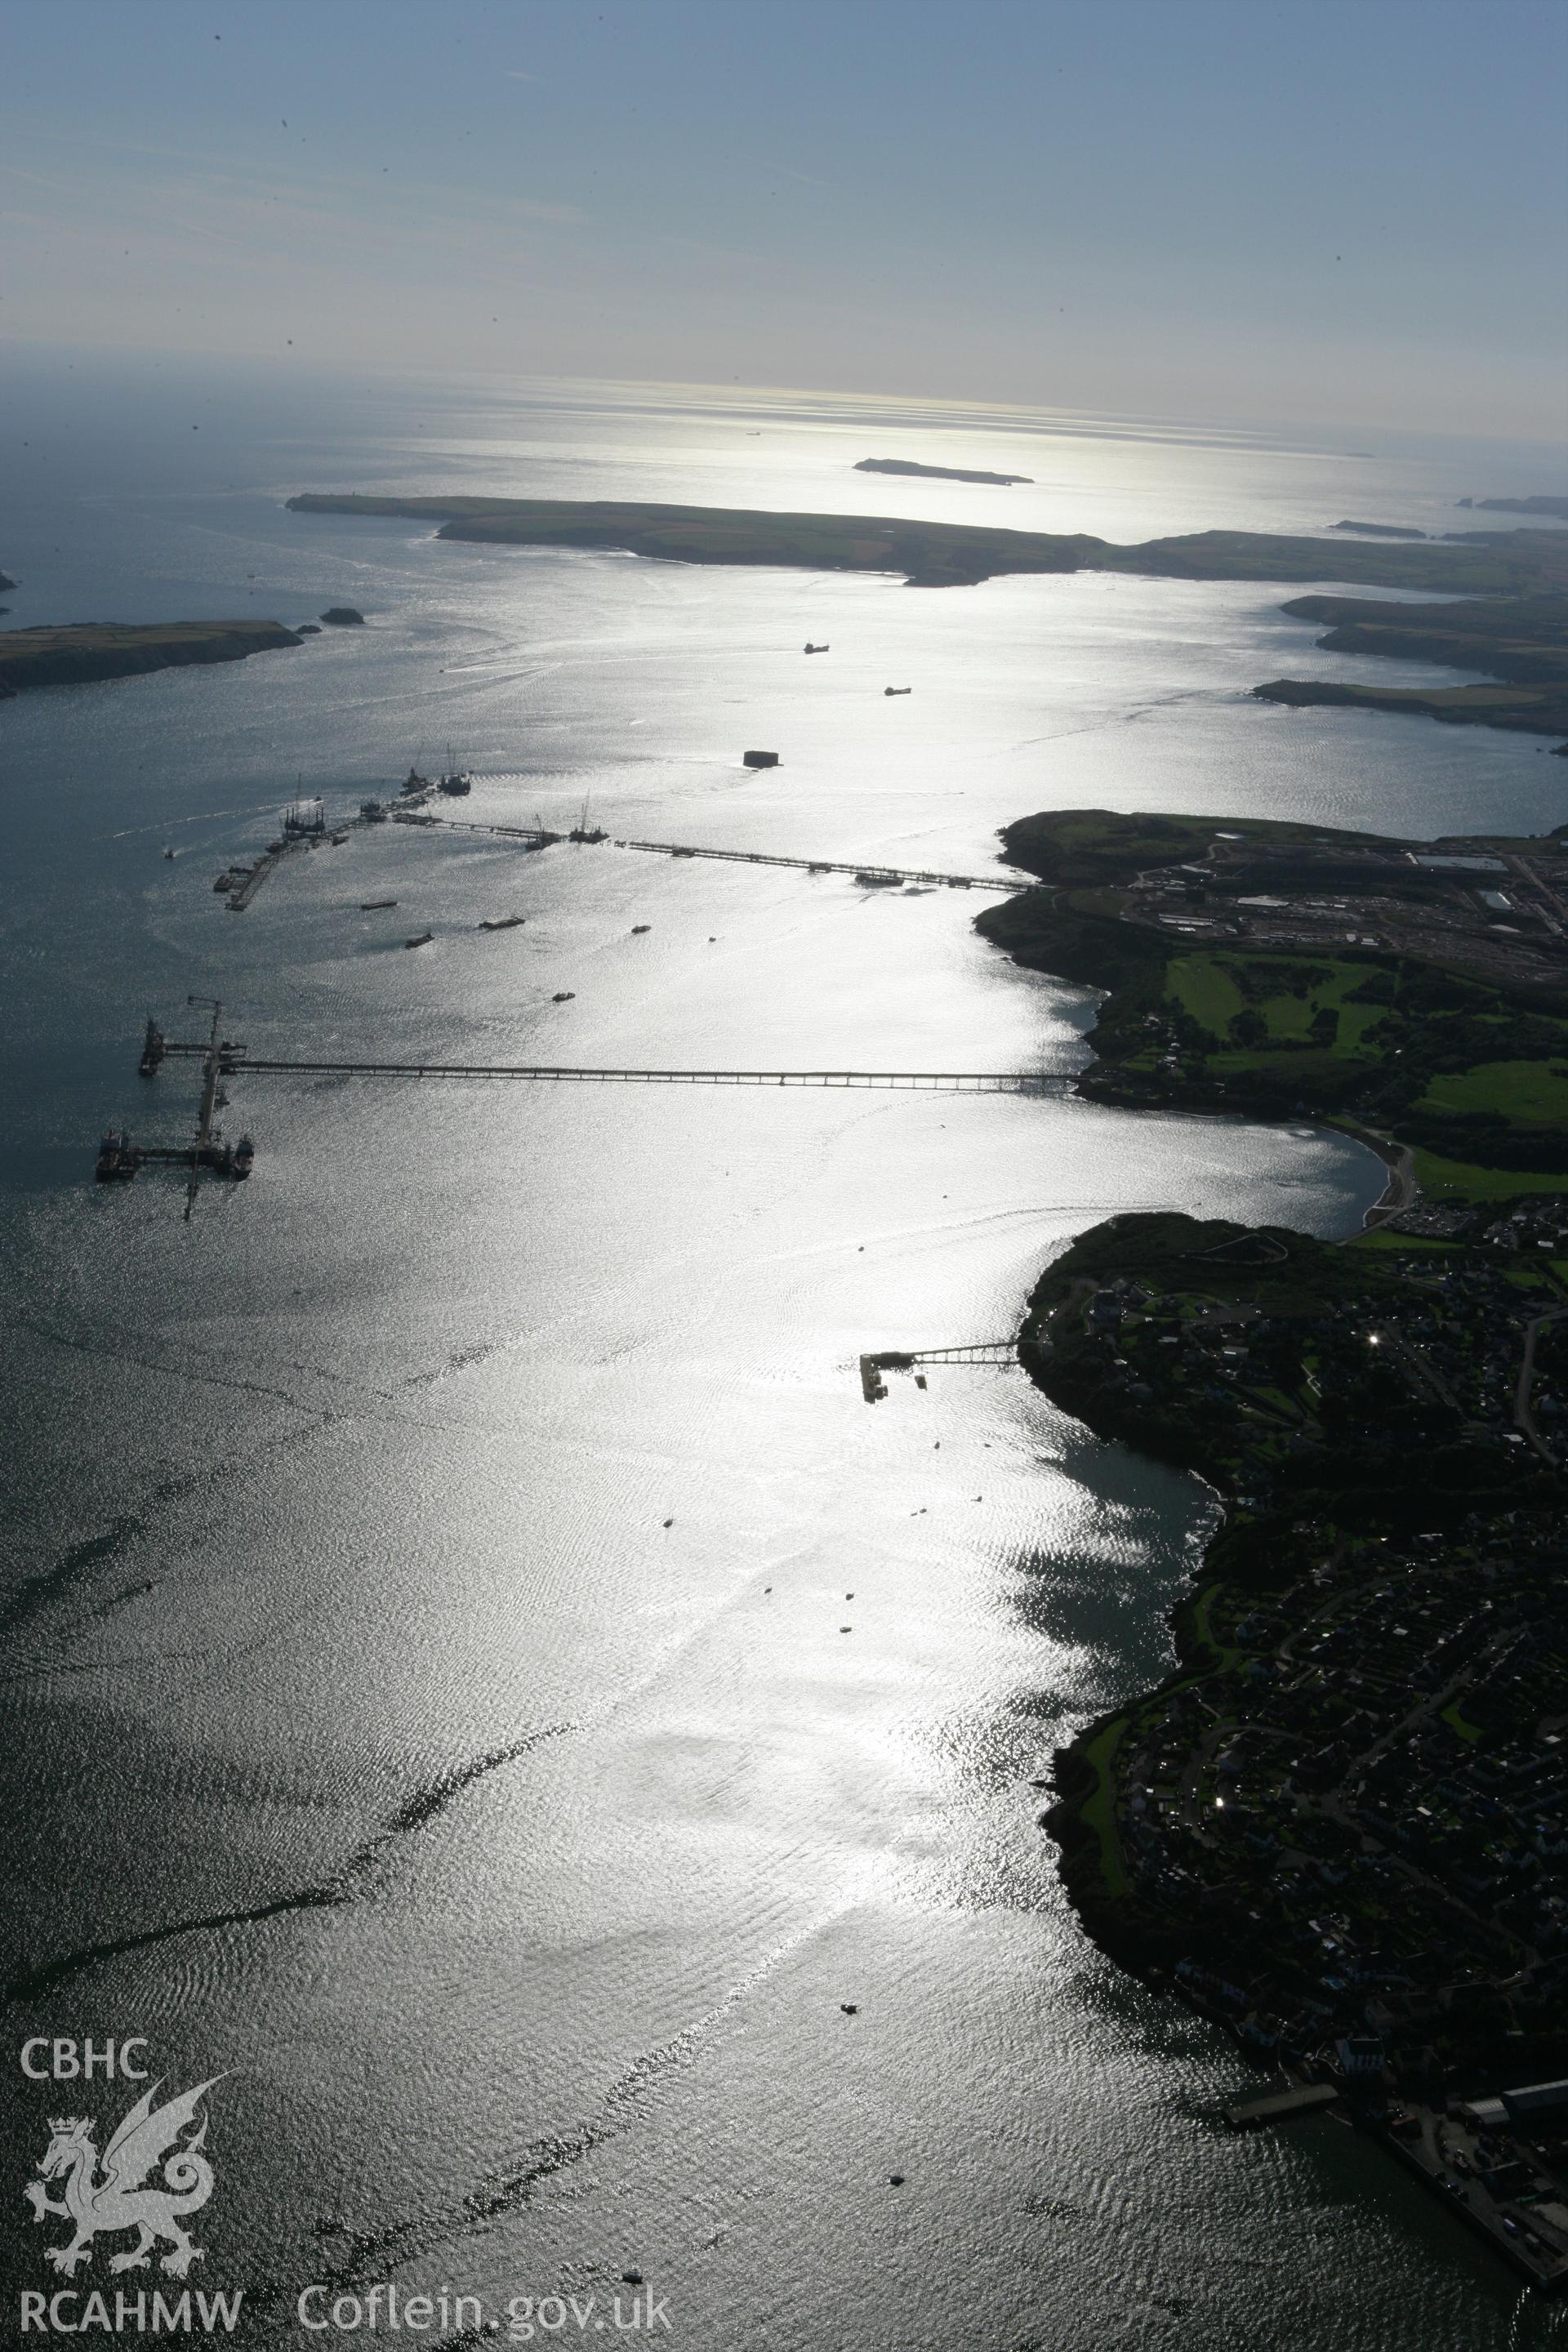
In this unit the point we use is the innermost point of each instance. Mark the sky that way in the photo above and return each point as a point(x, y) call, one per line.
point(1324, 212)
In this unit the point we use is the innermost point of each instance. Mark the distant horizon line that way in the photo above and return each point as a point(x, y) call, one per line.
point(896, 410)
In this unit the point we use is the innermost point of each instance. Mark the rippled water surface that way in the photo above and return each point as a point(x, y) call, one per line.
point(469, 1643)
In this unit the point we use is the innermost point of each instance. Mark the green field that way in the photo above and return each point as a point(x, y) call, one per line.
point(1207, 987)
point(1533, 1092)
point(1457, 1180)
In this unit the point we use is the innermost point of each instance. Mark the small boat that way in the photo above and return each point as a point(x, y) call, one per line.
point(819, 650)
point(563, 996)
point(637, 929)
point(503, 922)
point(456, 785)
point(897, 689)
point(373, 906)
point(338, 839)
point(423, 941)
point(244, 1158)
point(224, 882)
point(414, 783)
point(870, 880)
point(372, 811)
point(168, 852)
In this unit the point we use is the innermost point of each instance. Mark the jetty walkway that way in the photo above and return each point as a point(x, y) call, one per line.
point(865, 869)
point(969, 1082)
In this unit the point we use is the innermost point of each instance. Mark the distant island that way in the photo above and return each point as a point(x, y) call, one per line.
point(1520, 633)
point(77, 652)
point(937, 473)
point(1379, 530)
point(1536, 505)
point(1334, 1826)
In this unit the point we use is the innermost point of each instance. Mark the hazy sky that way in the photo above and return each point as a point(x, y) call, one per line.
point(1346, 210)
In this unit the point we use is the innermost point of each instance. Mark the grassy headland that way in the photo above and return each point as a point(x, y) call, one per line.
point(1526, 710)
point(1418, 989)
point(76, 654)
point(953, 554)
point(1522, 640)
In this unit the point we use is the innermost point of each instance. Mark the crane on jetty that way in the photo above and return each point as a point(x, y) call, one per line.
point(119, 1158)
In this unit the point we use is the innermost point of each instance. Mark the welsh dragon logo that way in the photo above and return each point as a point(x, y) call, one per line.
point(115, 2199)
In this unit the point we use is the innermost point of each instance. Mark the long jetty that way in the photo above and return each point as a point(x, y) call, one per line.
point(867, 866)
point(986, 1082)
point(413, 811)
point(224, 1058)
point(539, 837)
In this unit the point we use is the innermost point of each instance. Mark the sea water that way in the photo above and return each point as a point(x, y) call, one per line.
point(484, 1683)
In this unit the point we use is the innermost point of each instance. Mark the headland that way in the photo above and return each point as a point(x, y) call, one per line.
point(81, 652)
point(1501, 562)
point(1556, 509)
point(1336, 1825)
point(1520, 640)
